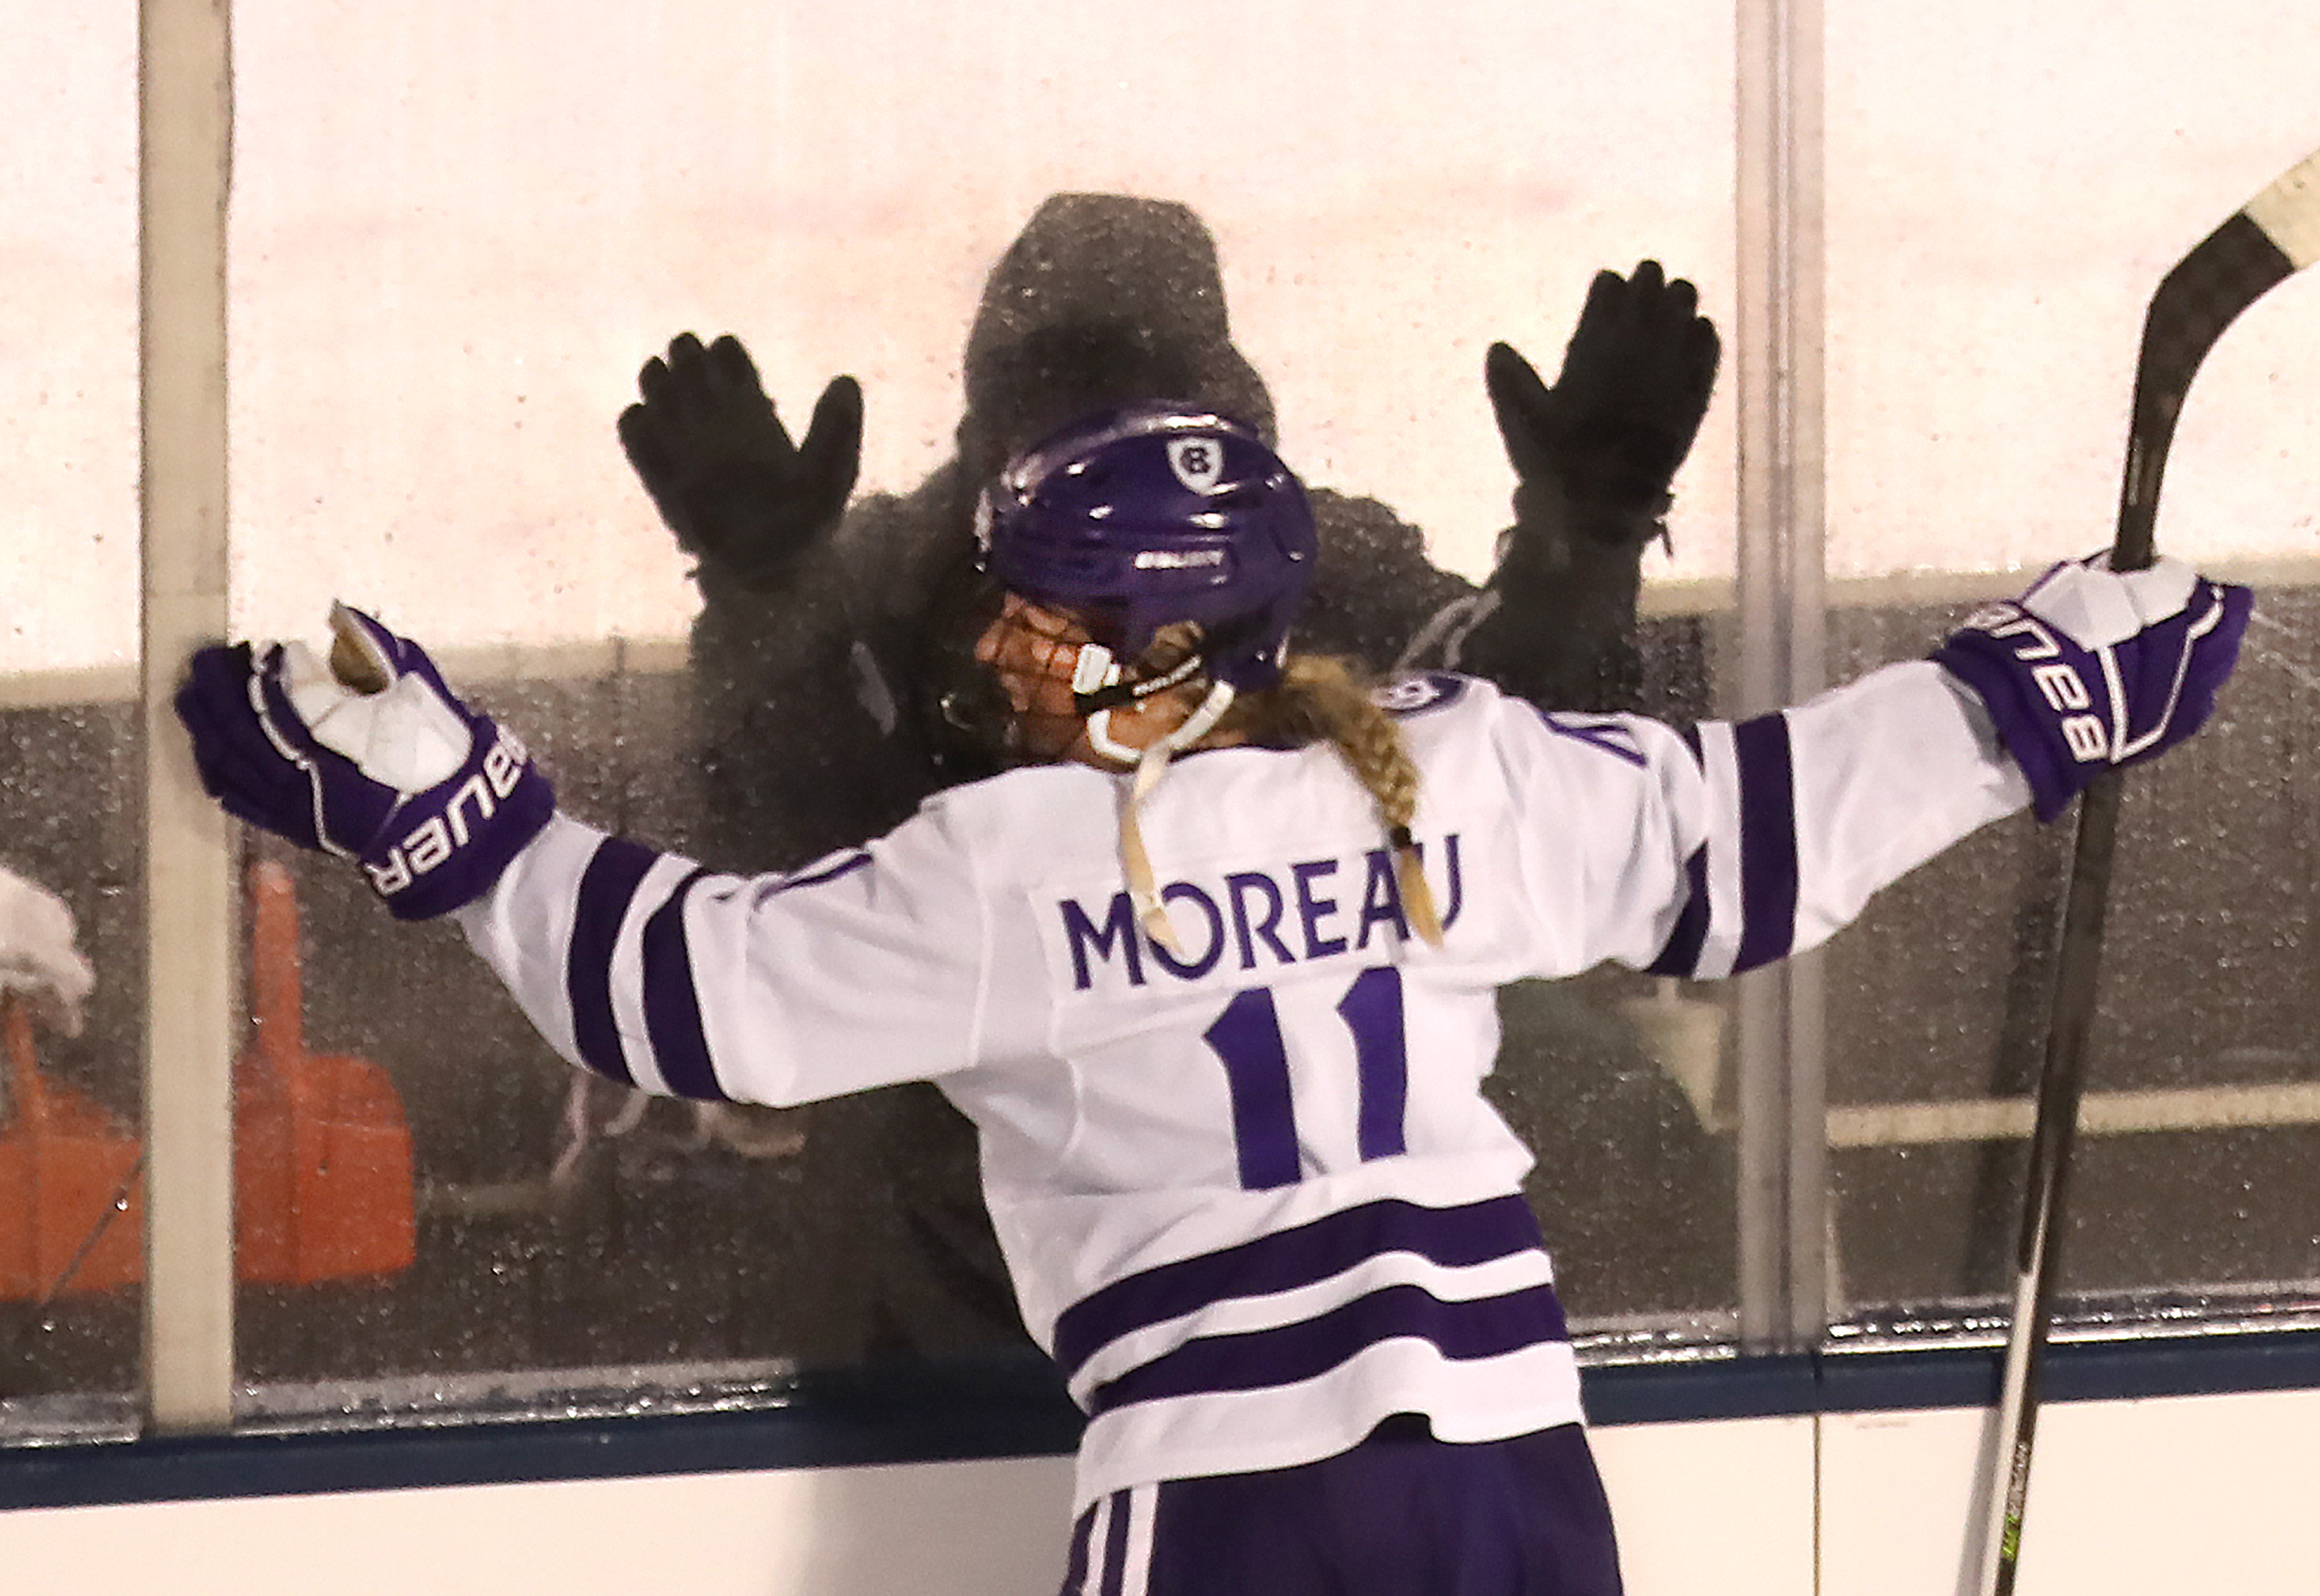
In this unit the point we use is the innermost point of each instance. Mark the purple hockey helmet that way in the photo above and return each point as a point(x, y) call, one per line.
point(1138, 518)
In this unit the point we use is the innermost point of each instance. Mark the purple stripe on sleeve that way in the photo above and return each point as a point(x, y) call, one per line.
point(1681, 956)
point(1254, 1360)
point(1768, 841)
point(672, 1007)
point(1454, 1238)
point(607, 887)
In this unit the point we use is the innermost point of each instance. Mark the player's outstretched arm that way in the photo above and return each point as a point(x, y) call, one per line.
point(711, 451)
point(1759, 839)
point(630, 961)
point(1731, 845)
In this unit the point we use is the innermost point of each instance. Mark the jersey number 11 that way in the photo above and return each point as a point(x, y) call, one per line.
point(1247, 1038)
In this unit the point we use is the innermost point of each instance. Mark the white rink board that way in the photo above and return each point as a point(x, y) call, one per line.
point(2179, 1493)
point(972, 1529)
point(1721, 1506)
point(2166, 1493)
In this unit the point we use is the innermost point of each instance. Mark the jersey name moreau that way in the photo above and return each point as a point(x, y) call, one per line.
point(1241, 921)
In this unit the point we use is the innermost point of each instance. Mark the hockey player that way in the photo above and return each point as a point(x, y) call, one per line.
point(1210, 969)
point(818, 704)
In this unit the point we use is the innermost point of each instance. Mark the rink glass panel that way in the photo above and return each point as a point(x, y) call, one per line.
point(2191, 1190)
point(1982, 324)
point(427, 364)
point(427, 367)
point(70, 798)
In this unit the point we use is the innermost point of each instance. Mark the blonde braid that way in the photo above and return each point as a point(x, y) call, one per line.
point(1323, 698)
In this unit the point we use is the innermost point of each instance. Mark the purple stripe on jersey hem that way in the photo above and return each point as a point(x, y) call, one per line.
point(672, 1006)
point(1076, 1569)
point(1768, 841)
point(1681, 956)
point(1255, 1360)
point(1115, 1547)
point(1454, 1237)
point(607, 887)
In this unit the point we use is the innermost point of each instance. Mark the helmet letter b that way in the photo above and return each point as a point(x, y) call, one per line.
point(1198, 462)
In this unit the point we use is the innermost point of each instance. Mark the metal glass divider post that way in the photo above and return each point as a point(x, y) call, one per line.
point(1780, 650)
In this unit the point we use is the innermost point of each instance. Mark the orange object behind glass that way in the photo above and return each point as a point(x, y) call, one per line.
point(69, 1214)
point(321, 1151)
point(322, 1178)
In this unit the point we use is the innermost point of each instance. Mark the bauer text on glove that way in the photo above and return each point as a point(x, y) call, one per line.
point(431, 798)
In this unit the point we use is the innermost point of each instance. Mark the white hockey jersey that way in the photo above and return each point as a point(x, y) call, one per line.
point(1250, 1192)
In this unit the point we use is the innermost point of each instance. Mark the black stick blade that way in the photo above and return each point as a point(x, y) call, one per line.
point(2265, 241)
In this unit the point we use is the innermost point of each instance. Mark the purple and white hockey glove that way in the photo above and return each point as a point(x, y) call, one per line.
point(2093, 668)
point(370, 756)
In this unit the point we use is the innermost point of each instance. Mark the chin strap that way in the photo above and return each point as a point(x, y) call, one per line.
point(1143, 886)
point(1099, 687)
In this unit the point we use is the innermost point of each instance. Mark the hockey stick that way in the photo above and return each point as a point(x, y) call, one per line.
point(2266, 240)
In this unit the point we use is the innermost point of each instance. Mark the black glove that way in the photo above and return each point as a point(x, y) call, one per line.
point(720, 464)
point(1607, 438)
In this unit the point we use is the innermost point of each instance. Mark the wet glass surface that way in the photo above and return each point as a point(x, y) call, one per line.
point(70, 795)
point(428, 370)
point(441, 447)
